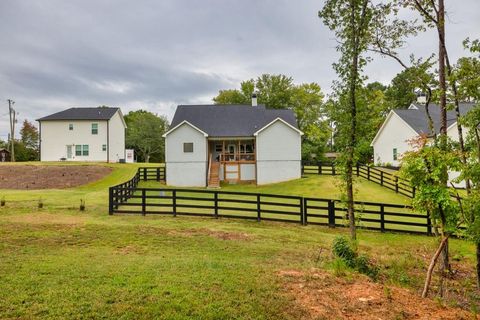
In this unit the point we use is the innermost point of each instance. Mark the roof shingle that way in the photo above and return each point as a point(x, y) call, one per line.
point(230, 120)
point(99, 113)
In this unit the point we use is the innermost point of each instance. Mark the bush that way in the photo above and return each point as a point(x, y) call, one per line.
point(342, 248)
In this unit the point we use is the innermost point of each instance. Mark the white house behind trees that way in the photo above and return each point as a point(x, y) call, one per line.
point(207, 144)
point(83, 134)
point(402, 125)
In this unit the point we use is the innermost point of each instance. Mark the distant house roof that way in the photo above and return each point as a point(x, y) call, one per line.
point(416, 116)
point(99, 113)
point(230, 120)
point(4, 150)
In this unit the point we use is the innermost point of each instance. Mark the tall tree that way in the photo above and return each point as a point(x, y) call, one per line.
point(350, 20)
point(29, 135)
point(144, 135)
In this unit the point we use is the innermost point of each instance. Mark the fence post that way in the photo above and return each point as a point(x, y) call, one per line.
point(158, 174)
point(215, 208)
point(303, 169)
point(333, 169)
point(319, 164)
point(331, 213)
point(413, 192)
point(144, 202)
point(429, 225)
point(174, 203)
point(144, 174)
point(110, 201)
point(358, 170)
point(381, 178)
point(368, 173)
point(396, 184)
point(258, 208)
point(382, 218)
point(305, 212)
point(302, 211)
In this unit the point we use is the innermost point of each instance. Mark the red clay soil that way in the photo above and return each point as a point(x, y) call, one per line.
point(323, 296)
point(49, 177)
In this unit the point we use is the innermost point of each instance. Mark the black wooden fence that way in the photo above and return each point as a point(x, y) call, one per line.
point(381, 177)
point(128, 199)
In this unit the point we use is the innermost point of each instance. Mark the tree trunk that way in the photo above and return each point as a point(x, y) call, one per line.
point(433, 262)
point(353, 128)
point(443, 105)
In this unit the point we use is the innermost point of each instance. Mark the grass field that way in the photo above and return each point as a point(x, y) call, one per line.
point(60, 263)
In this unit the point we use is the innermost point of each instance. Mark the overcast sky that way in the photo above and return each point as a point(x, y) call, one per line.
point(156, 54)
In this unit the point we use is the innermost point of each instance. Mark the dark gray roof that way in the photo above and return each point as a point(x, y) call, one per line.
point(230, 120)
point(417, 118)
point(99, 113)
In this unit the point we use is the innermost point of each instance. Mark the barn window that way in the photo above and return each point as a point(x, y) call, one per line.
point(395, 154)
point(70, 126)
point(104, 147)
point(94, 128)
point(188, 147)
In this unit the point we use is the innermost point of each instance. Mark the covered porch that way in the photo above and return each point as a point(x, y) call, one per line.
point(232, 160)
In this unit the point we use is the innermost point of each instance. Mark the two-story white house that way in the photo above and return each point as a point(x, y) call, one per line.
point(83, 134)
point(207, 144)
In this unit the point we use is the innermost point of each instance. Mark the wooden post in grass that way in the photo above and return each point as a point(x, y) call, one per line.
point(144, 202)
point(368, 173)
point(174, 202)
point(319, 164)
point(158, 174)
point(305, 212)
point(381, 178)
point(333, 168)
point(302, 210)
point(382, 218)
point(258, 208)
point(396, 184)
point(331, 213)
point(358, 169)
point(215, 208)
point(144, 174)
point(110, 201)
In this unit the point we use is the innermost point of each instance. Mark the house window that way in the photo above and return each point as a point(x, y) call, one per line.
point(85, 150)
point(70, 126)
point(104, 147)
point(94, 128)
point(78, 150)
point(218, 148)
point(188, 147)
point(395, 154)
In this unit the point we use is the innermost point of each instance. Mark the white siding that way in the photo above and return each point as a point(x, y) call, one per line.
point(117, 138)
point(278, 154)
point(55, 136)
point(394, 134)
point(186, 169)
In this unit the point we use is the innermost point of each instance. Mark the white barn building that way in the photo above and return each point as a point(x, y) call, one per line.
point(207, 144)
point(83, 134)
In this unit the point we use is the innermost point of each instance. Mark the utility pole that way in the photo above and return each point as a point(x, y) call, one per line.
point(13, 120)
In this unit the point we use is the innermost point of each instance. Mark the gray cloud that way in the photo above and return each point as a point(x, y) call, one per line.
point(156, 54)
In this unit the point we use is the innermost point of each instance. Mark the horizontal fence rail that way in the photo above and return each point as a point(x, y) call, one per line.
point(381, 177)
point(259, 206)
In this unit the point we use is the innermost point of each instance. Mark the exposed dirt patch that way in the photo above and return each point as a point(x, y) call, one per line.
point(324, 296)
point(49, 177)
point(223, 235)
point(46, 218)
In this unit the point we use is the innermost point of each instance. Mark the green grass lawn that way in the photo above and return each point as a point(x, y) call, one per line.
point(60, 263)
point(66, 264)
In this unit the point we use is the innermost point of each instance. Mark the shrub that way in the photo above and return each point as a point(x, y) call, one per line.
point(343, 249)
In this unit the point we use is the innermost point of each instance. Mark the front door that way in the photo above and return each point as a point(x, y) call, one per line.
point(69, 152)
